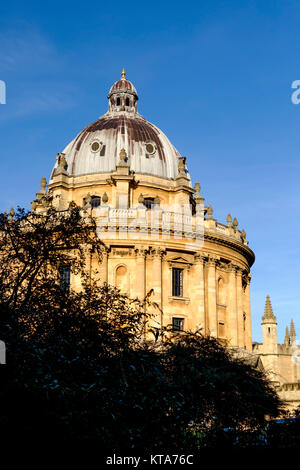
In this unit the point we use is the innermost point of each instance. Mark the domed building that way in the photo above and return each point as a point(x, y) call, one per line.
point(158, 232)
point(160, 236)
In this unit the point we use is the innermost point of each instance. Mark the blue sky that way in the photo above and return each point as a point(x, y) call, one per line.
point(215, 76)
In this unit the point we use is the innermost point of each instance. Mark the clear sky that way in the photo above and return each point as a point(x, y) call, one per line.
point(215, 76)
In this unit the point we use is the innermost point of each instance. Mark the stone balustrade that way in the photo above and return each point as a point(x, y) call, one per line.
point(290, 387)
point(166, 220)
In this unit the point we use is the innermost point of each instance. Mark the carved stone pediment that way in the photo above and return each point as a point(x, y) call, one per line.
point(179, 262)
point(179, 259)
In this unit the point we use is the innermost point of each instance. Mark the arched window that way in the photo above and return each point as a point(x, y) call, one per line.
point(96, 201)
point(149, 202)
point(121, 278)
point(127, 102)
point(118, 101)
point(221, 292)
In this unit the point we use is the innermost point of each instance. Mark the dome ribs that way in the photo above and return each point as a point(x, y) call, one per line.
point(122, 85)
point(122, 127)
point(78, 144)
point(136, 128)
point(152, 135)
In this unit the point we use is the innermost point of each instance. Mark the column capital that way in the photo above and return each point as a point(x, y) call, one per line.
point(232, 268)
point(199, 258)
point(104, 250)
point(211, 260)
point(239, 271)
point(247, 278)
point(141, 251)
point(157, 252)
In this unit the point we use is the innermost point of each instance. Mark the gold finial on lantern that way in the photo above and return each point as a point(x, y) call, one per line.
point(123, 73)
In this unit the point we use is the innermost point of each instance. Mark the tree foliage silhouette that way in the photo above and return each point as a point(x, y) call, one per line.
point(81, 366)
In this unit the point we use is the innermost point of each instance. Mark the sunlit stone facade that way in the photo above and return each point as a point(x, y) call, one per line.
point(160, 236)
point(158, 232)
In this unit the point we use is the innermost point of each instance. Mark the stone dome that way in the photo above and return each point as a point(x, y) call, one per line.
point(96, 149)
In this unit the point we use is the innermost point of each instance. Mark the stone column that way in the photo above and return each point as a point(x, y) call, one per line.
point(103, 265)
point(240, 307)
point(212, 327)
point(232, 330)
point(140, 285)
point(247, 310)
point(157, 255)
point(198, 298)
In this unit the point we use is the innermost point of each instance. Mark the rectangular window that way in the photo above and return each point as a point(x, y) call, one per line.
point(177, 324)
point(177, 282)
point(65, 276)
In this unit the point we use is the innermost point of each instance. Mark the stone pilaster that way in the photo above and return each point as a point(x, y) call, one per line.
point(198, 293)
point(240, 307)
point(212, 326)
point(103, 267)
point(157, 255)
point(232, 331)
point(247, 310)
point(140, 253)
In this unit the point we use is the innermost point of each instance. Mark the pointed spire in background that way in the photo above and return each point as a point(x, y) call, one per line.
point(269, 315)
point(268, 308)
point(287, 337)
point(293, 332)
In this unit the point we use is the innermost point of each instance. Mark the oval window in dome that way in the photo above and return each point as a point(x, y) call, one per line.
point(150, 148)
point(96, 146)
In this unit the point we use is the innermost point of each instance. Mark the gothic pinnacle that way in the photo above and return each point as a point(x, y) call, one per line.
point(269, 315)
point(287, 337)
point(293, 332)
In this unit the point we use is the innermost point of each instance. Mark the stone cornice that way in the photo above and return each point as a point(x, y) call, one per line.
point(103, 178)
point(237, 246)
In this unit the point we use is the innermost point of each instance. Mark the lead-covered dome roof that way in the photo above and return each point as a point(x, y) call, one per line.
point(96, 149)
point(122, 85)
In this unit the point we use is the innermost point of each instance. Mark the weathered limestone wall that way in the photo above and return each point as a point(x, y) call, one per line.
point(136, 259)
